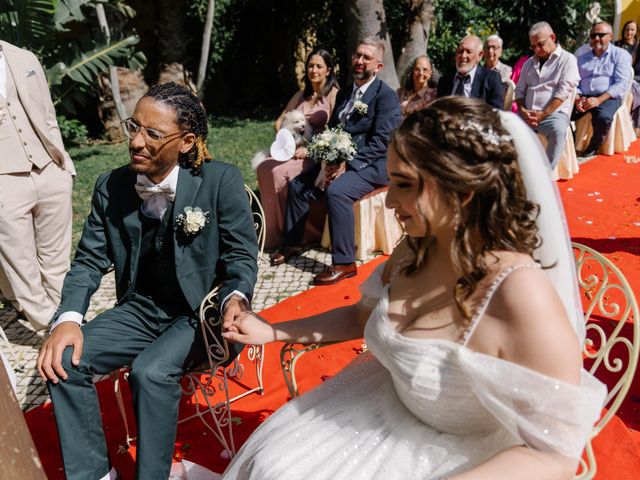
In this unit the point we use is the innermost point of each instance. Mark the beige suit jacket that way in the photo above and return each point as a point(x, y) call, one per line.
point(37, 101)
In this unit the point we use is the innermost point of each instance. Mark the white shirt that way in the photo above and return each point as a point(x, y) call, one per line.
point(153, 207)
point(557, 78)
point(467, 86)
point(354, 95)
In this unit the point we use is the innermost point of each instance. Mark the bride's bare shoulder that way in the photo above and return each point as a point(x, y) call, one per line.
point(535, 329)
point(398, 256)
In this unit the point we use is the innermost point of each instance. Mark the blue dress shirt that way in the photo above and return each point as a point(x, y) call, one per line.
point(611, 72)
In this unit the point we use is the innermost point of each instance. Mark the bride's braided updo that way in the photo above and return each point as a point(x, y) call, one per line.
point(460, 144)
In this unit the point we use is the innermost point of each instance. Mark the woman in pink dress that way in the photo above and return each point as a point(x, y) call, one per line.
point(316, 101)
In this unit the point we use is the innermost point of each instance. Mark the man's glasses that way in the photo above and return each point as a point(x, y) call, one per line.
point(131, 129)
point(539, 44)
point(595, 35)
point(365, 58)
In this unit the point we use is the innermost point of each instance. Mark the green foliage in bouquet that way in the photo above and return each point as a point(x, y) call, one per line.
point(331, 147)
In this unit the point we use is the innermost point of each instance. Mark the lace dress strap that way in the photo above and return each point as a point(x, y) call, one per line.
point(489, 295)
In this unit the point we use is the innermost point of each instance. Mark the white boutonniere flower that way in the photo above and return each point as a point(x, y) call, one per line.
point(360, 107)
point(192, 220)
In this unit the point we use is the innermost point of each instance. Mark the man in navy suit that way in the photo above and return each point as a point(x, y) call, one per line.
point(344, 184)
point(472, 80)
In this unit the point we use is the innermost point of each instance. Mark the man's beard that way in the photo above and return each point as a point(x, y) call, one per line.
point(363, 75)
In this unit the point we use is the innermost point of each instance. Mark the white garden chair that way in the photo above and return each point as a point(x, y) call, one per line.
point(211, 378)
point(610, 307)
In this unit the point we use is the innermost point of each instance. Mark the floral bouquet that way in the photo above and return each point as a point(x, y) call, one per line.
point(332, 147)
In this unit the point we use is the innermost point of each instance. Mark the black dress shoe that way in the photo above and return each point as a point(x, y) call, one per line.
point(335, 273)
point(589, 152)
point(282, 256)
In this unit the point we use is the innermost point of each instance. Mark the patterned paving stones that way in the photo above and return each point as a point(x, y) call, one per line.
point(274, 285)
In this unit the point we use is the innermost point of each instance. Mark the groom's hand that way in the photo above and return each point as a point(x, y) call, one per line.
point(50, 357)
point(234, 307)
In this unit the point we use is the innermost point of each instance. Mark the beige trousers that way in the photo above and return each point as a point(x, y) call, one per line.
point(35, 240)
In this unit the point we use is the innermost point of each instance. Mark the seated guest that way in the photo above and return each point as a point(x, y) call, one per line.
point(545, 89)
point(605, 71)
point(415, 93)
point(492, 52)
point(472, 80)
point(629, 40)
point(172, 223)
point(370, 127)
point(316, 100)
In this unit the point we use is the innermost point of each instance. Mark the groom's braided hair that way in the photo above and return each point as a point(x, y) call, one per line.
point(458, 145)
point(190, 116)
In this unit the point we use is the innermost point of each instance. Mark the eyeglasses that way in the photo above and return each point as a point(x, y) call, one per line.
point(365, 58)
point(539, 44)
point(131, 129)
point(593, 36)
point(422, 70)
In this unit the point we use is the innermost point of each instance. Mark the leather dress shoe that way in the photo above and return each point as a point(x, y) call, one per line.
point(282, 256)
point(335, 273)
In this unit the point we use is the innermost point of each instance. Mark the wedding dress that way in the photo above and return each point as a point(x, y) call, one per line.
point(418, 408)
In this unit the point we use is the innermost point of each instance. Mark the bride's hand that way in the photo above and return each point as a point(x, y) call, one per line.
point(249, 329)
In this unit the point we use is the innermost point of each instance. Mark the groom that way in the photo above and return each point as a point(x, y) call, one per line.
point(173, 224)
point(369, 110)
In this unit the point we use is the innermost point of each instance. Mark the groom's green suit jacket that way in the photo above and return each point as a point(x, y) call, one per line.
point(224, 251)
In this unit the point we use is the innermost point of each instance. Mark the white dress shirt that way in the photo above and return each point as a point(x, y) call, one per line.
point(355, 96)
point(467, 86)
point(557, 78)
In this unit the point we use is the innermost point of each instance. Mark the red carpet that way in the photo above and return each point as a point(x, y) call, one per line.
point(603, 210)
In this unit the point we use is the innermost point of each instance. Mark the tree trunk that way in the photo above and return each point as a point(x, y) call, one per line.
point(18, 455)
point(204, 53)
point(113, 72)
point(367, 18)
point(172, 42)
point(418, 26)
point(131, 86)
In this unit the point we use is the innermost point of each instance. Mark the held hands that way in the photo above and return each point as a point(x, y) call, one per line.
point(49, 361)
point(248, 328)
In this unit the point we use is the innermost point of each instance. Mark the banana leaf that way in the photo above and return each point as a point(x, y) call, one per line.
point(87, 65)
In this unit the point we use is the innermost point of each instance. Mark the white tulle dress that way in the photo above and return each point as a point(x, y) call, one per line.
point(418, 409)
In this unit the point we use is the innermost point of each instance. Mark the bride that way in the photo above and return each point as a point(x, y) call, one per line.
point(476, 371)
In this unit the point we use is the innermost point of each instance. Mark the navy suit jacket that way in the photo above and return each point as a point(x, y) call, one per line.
point(486, 85)
point(372, 131)
point(224, 251)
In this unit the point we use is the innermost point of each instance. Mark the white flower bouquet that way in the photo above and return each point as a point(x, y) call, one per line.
point(332, 147)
